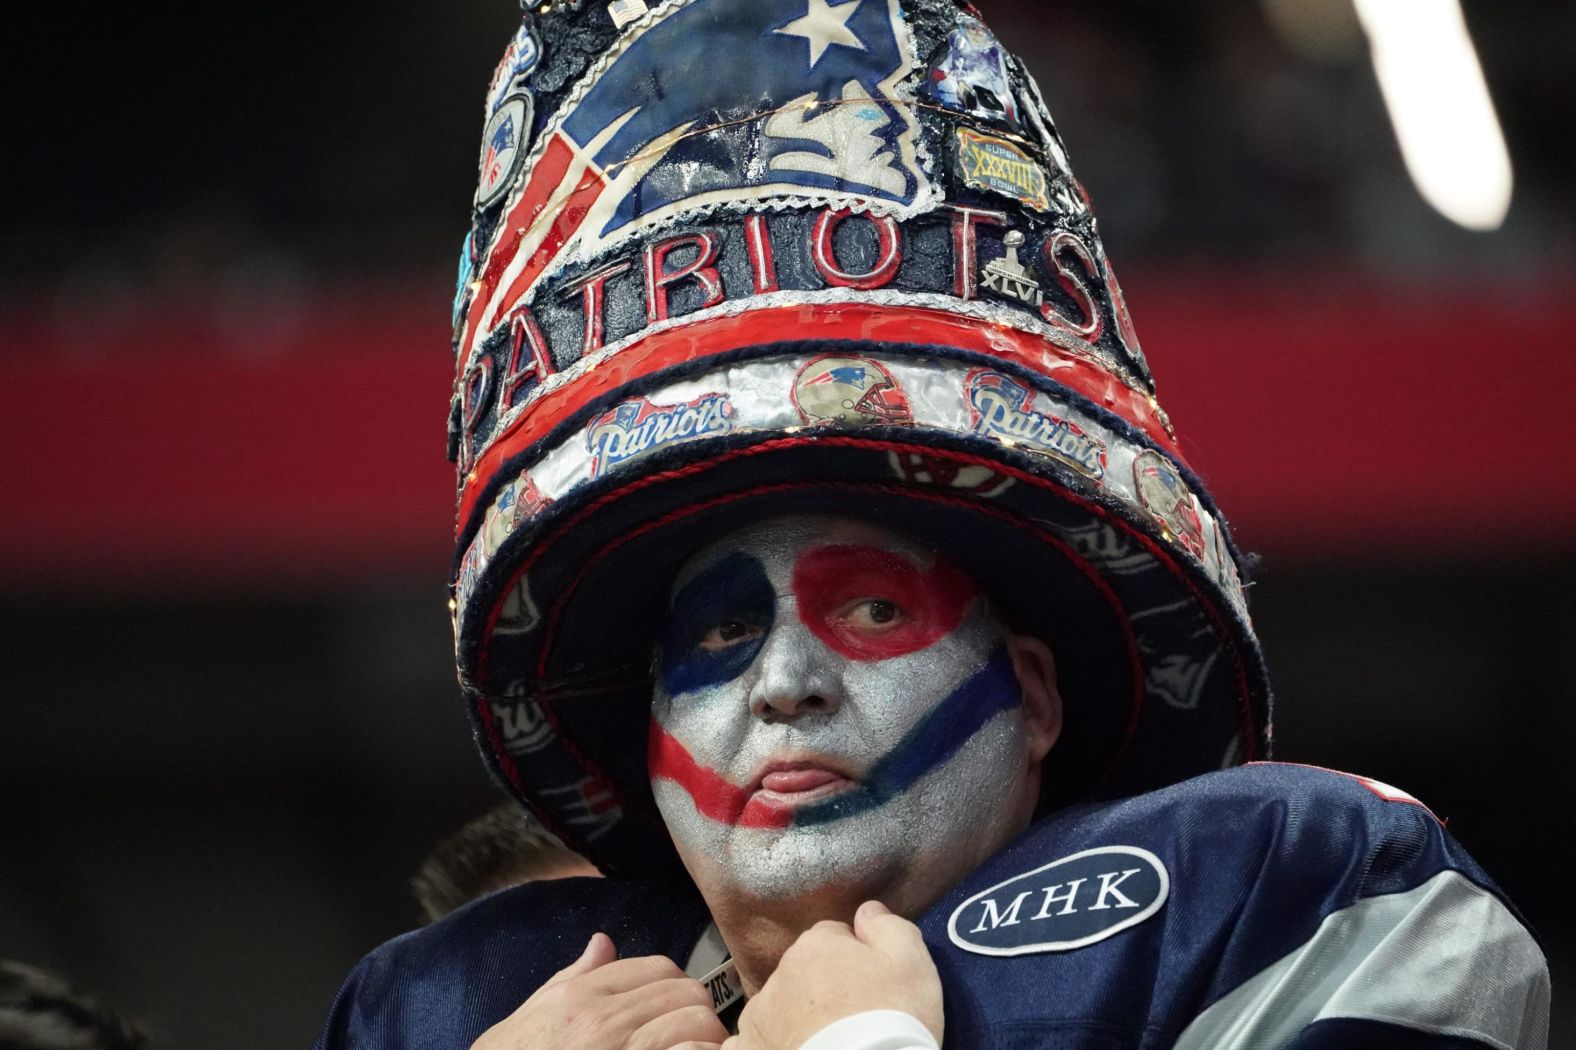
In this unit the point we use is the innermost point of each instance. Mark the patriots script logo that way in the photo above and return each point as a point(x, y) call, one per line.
point(637, 427)
point(720, 101)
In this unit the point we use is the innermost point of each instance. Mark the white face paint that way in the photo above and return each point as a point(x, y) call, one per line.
point(833, 705)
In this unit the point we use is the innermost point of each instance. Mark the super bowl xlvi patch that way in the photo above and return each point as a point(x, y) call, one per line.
point(971, 76)
point(503, 147)
point(1003, 408)
point(1008, 276)
point(1066, 904)
point(849, 390)
point(986, 162)
point(636, 428)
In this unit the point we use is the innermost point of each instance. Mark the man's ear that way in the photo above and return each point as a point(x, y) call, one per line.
point(1035, 665)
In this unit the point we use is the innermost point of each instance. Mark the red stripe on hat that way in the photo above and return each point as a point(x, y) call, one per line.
point(547, 178)
point(847, 321)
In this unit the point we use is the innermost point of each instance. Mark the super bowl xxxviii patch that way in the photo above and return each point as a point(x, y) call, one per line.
point(986, 162)
point(1066, 904)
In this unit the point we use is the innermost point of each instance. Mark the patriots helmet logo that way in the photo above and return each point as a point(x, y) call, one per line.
point(1167, 498)
point(849, 390)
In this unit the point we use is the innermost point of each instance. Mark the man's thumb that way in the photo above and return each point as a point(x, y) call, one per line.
point(599, 951)
point(878, 926)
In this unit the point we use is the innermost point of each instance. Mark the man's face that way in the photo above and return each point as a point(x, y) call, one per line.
point(834, 705)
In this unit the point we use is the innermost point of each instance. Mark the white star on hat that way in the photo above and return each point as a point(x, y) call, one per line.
point(823, 25)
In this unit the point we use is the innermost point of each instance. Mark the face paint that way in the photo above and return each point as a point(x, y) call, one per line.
point(830, 582)
point(833, 701)
point(734, 593)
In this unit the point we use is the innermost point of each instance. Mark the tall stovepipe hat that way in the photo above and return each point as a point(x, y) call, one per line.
point(736, 258)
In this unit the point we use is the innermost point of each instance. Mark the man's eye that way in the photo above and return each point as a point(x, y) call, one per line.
point(875, 612)
point(728, 633)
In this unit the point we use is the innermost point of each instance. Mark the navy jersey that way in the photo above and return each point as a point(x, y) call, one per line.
point(1266, 906)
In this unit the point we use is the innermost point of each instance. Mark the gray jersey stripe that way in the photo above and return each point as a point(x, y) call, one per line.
point(1445, 958)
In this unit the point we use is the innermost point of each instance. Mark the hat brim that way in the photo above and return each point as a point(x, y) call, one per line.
point(1159, 671)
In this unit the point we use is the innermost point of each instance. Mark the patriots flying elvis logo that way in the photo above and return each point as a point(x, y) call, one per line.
point(502, 141)
point(716, 102)
point(851, 376)
point(724, 96)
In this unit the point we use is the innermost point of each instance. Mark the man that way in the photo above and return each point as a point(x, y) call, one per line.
point(503, 847)
point(826, 563)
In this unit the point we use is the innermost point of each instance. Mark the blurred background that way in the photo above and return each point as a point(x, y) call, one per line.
point(228, 726)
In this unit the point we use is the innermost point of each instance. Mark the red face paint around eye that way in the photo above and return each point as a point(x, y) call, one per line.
point(829, 581)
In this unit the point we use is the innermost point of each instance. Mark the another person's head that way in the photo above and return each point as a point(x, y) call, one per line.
point(39, 1011)
point(839, 711)
point(503, 847)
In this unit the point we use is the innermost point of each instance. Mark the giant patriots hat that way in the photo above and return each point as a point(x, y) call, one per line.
point(735, 258)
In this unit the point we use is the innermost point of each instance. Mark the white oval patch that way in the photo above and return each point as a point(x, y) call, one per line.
point(503, 147)
point(1066, 904)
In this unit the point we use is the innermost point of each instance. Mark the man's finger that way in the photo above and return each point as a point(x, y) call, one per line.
point(879, 927)
point(831, 928)
point(625, 974)
point(691, 1026)
point(599, 951)
point(640, 1006)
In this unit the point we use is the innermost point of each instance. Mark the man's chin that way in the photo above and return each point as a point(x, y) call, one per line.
point(817, 863)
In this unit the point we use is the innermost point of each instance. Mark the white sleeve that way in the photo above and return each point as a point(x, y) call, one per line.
point(874, 1030)
point(1446, 960)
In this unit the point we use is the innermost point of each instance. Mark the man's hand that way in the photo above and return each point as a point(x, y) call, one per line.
point(602, 1002)
point(833, 971)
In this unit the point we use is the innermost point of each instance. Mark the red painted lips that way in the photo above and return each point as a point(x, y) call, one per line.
point(774, 792)
point(794, 782)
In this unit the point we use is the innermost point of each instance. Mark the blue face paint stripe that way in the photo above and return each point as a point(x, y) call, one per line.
point(736, 588)
point(938, 736)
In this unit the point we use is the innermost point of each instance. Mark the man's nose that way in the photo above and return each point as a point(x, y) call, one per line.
point(797, 675)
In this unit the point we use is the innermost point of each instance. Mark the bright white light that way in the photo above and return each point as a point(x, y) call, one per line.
point(1439, 104)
